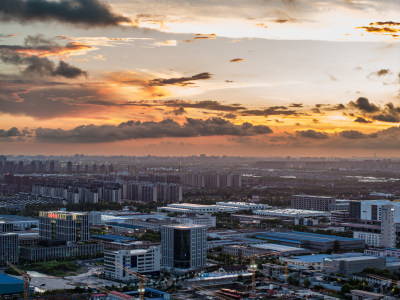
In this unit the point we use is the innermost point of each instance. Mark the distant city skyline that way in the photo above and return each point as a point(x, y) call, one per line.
point(243, 78)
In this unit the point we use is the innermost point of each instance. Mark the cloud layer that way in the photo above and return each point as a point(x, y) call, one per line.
point(89, 13)
point(140, 130)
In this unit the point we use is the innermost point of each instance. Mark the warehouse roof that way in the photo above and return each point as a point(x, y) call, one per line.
point(7, 279)
point(297, 236)
point(113, 237)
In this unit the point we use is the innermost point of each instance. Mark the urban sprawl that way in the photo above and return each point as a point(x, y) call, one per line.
point(199, 227)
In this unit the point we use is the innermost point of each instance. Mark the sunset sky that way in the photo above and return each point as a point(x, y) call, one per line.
point(183, 77)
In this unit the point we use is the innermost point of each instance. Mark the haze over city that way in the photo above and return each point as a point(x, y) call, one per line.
point(248, 78)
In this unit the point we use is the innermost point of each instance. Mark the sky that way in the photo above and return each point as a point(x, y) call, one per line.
point(186, 77)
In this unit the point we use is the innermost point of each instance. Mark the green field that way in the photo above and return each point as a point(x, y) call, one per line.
point(53, 268)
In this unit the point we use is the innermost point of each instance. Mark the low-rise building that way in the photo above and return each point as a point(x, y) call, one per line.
point(364, 295)
point(388, 252)
point(258, 249)
point(355, 264)
point(371, 239)
point(206, 219)
point(320, 242)
point(273, 270)
point(143, 261)
point(244, 205)
point(285, 213)
point(46, 253)
point(10, 285)
point(229, 270)
point(19, 222)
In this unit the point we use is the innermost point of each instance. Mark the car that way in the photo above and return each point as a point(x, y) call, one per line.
point(43, 284)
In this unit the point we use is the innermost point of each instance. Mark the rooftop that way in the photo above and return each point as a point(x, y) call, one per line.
point(182, 226)
point(297, 236)
point(276, 247)
point(16, 218)
point(293, 211)
point(7, 279)
point(112, 237)
point(311, 196)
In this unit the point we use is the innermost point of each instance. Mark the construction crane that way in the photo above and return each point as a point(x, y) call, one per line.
point(142, 279)
point(26, 276)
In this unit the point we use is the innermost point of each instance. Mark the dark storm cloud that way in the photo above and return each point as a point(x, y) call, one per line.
point(140, 130)
point(296, 105)
point(179, 111)
point(41, 46)
point(388, 113)
point(205, 104)
point(270, 111)
point(312, 134)
point(39, 40)
point(390, 118)
point(90, 13)
point(12, 132)
point(353, 134)
point(364, 105)
point(337, 107)
point(182, 81)
point(230, 116)
point(362, 120)
point(40, 66)
point(50, 100)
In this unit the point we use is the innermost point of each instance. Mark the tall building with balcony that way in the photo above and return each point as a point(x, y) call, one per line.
point(183, 247)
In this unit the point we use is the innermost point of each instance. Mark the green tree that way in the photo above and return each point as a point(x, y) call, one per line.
point(306, 283)
point(336, 247)
point(346, 288)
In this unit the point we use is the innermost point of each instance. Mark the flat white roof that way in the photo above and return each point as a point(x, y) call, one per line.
point(293, 211)
point(275, 247)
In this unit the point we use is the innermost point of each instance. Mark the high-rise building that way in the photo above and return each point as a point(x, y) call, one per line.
point(69, 167)
point(308, 202)
point(143, 261)
point(6, 226)
point(372, 209)
point(64, 226)
point(183, 247)
point(8, 248)
point(388, 229)
point(52, 167)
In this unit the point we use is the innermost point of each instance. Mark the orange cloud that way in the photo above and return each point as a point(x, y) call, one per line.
point(384, 28)
point(56, 51)
point(140, 80)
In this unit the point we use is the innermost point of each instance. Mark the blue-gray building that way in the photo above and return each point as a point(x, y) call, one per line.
point(309, 240)
point(10, 285)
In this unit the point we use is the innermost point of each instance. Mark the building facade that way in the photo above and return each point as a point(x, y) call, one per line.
point(184, 247)
point(308, 202)
point(38, 253)
point(8, 248)
point(371, 239)
point(388, 229)
point(143, 261)
point(64, 226)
